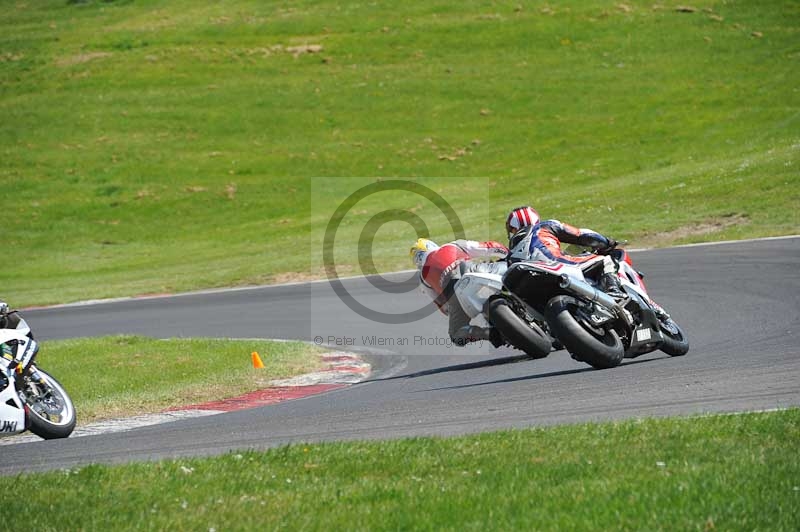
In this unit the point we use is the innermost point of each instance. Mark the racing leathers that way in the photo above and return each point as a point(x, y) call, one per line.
point(542, 241)
point(444, 267)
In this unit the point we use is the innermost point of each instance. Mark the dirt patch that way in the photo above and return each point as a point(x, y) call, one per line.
point(81, 58)
point(304, 49)
point(293, 277)
point(316, 274)
point(706, 227)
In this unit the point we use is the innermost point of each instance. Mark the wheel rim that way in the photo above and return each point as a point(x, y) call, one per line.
point(671, 328)
point(47, 401)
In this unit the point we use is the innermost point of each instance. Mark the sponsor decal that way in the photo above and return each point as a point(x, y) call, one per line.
point(8, 426)
point(447, 271)
point(550, 268)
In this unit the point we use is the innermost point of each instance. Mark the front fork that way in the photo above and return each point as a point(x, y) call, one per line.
point(21, 375)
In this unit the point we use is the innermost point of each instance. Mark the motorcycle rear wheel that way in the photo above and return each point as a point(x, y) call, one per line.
point(600, 348)
point(525, 336)
point(50, 411)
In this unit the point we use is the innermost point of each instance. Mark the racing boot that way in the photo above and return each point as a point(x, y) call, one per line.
point(496, 338)
point(609, 283)
point(471, 333)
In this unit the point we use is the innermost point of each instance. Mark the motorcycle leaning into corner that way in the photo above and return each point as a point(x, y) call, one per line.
point(538, 305)
point(484, 298)
point(596, 327)
point(30, 398)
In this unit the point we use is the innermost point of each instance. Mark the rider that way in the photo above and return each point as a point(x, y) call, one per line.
point(441, 267)
point(8, 318)
point(532, 238)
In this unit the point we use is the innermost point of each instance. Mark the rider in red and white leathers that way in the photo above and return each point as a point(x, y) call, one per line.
point(440, 268)
point(533, 239)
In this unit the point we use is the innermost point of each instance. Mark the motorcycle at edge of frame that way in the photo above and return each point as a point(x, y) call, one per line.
point(30, 398)
point(540, 305)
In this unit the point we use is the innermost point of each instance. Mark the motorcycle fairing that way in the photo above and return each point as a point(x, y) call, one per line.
point(543, 278)
point(647, 334)
point(473, 289)
point(12, 410)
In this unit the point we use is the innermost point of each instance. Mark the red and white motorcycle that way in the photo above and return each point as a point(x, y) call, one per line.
point(30, 399)
point(594, 326)
point(536, 305)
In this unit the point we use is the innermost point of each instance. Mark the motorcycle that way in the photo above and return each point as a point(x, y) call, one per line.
point(594, 326)
point(540, 306)
point(30, 398)
point(482, 295)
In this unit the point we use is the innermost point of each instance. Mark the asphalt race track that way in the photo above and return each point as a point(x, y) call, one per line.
point(738, 302)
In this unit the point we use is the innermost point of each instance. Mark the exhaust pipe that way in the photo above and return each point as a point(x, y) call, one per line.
point(588, 291)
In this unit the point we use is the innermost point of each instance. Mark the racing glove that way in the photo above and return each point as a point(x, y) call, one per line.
point(611, 244)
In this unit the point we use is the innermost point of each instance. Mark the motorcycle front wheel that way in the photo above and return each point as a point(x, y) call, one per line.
point(51, 414)
point(598, 347)
point(675, 343)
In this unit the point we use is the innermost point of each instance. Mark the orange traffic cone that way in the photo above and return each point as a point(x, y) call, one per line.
point(256, 360)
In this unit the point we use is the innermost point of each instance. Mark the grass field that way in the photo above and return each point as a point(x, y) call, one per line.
point(735, 472)
point(161, 146)
point(123, 376)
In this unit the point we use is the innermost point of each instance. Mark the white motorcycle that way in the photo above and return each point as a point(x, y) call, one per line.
point(486, 301)
point(30, 398)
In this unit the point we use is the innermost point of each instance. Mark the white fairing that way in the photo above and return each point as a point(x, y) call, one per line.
point(627, 275)
point(473, 289)
point(12, 411)
point(630, 277)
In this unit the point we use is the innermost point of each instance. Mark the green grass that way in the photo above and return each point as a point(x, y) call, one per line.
point(738, 472)
point(123, 376)
point(161, 146)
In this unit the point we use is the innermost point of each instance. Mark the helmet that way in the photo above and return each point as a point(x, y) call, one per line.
point(519, 218)
point(420, 250)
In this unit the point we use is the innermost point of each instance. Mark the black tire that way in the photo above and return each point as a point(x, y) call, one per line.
point(597, 347)
point(51, 415)
point(527, 337)
point(675, 342)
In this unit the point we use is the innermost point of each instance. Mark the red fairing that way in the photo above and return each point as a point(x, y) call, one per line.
point(627, 258)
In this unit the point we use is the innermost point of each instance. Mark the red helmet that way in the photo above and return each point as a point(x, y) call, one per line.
point(519, 218)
